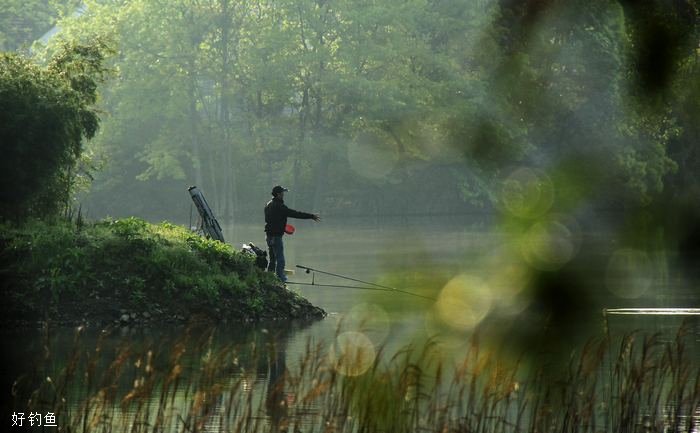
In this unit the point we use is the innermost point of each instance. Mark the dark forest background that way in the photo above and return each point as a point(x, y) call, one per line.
point(380, 107)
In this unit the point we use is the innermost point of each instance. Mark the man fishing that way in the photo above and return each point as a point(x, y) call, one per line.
point(276, 214)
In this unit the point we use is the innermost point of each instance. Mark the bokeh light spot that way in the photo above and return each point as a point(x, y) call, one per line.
point(369, 319)
point(548, 245)
point(508, 280)
point(352, 354)
point(463, 302)
point(527, 193)
point(628, 274)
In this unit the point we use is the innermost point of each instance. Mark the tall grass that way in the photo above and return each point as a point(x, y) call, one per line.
point(634, 383)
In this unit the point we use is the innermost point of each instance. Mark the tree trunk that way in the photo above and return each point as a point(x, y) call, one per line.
point(320, 179)
point(194, 127)
point(229, 199)
point(303, 114)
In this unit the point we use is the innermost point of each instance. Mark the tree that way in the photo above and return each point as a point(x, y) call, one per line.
point(357, 102)
point(45, 114)
point(24, 21)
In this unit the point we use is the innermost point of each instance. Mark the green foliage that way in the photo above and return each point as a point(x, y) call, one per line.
point(45, 114)
point(140, 263)
point(24, 21)
point(256, 304)
point(231, 95)
point(358, 103)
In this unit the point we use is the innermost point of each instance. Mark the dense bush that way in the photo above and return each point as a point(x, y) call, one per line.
point(113, 265)
point(45, 114)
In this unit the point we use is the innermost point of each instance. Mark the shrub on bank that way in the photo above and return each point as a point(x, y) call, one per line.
point(111, 268)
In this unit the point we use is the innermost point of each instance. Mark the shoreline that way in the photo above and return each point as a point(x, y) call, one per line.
point(129, 272)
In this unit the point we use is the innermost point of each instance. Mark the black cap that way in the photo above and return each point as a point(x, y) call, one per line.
point(278, 189)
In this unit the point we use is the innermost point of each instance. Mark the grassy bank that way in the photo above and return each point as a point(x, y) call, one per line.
point(130, 271)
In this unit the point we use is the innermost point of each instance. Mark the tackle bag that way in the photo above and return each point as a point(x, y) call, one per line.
point(258, 254)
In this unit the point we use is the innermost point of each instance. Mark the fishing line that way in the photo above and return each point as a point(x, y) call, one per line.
point(378, 287)
point(341, 286)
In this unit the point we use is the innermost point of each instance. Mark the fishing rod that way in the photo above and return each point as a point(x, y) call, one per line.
point(378, 287)
point(340, 286)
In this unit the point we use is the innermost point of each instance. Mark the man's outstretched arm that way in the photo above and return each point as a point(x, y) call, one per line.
point(291, 213)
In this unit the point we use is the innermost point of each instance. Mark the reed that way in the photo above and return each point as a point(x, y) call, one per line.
point(635, 383)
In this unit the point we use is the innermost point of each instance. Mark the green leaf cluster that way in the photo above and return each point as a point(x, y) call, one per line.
point(358, 103)
point(46, 113)
point(127, 261)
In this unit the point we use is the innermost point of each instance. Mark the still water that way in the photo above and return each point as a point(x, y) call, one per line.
point(474, 273)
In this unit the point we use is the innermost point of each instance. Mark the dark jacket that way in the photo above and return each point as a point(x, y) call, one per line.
point(276, 214)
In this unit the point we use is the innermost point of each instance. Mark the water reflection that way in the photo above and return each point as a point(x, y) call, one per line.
point(198, 379)
point(276, 399)
point(284, 377)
